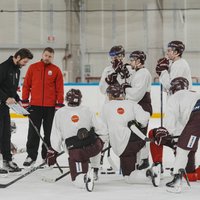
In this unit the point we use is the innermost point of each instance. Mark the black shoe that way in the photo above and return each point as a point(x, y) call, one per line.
point(28, 162)
point(10, 166)
point(3, 172)
point(144, 164)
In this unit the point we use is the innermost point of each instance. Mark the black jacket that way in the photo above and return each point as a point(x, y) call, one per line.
point(9, 80)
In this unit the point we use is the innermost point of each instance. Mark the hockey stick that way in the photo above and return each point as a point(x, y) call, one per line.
point(161, 105)
point(22, 176)
point(106, 149)
point(53, 180)
point(140, 134)
point(45, 144)
point(103, 153)
point(111, 162)
point(26, 174)
point(146, 139)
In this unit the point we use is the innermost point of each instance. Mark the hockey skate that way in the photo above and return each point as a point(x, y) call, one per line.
point(89, 180)
point(155, 173)
point(175, 186)
point(10, 166)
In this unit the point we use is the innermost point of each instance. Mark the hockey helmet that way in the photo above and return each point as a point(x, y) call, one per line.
point(179, 83)
point(138, 55)
point(117, 51)
point(115, 90)
point(177, 46)
point(73, 97)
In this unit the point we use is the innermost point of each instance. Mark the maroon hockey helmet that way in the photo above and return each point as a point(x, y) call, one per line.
point(179, 83)
point(116, 51)
point(177, 46)
point(73, 97)
point(115, 90)
point(138, 55)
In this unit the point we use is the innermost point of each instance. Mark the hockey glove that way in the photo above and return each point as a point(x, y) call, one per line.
point(162, 64)
point(161, 134)
point(117, 65)
point(124, 86)
point(111, 79)
point(124, 72)
point(51, 156)
point(82, 133)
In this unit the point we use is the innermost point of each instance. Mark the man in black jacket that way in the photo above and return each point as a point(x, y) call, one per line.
point(9, 80)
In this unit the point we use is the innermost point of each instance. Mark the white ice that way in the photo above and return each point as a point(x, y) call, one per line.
point(108, 186)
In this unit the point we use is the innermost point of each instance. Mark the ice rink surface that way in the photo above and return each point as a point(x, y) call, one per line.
point(112, 187)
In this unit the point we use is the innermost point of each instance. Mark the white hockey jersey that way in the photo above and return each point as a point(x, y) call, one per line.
point(140, 84)
point(117, 114)
point(68, 120)
point(109, 70)
point(178, 109)
point(179, 68)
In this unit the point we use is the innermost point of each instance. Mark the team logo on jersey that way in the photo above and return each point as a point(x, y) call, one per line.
point(120, 111)
point(75, 118)
point(50, 72)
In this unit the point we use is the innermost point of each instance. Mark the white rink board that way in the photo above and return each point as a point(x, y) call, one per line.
point(93, 98)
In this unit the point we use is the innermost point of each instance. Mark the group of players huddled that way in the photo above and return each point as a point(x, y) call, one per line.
point(123, 122)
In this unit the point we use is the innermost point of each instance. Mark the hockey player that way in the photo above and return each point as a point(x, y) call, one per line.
point(183, 111)
point(120, 115)
point(168, 68)
point(117, 72)
point(139, 91)
point(173, 65)
point(72, 125)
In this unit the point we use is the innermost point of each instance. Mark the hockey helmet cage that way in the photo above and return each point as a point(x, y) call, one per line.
point(179, 83)
point(177, 46)
point(138, 55)
point(116, 51)
point(73, 97)
point(115, 90)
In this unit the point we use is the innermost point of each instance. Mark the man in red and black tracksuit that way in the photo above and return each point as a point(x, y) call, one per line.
point(9, 80)
point(44, 83)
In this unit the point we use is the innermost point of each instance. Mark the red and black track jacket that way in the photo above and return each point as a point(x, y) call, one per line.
point(45, 85)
